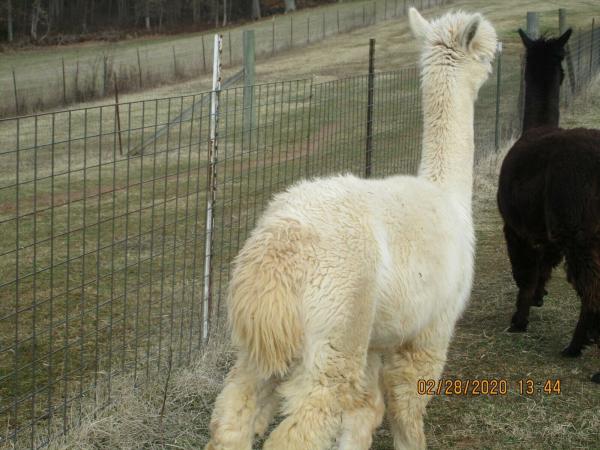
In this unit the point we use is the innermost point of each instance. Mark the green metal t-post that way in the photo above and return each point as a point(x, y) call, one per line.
point(249, 80)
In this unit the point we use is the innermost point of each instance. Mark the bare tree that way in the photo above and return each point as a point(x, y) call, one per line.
point(216, 11)
point(36, 12)
point(147, 14)
point(255, 9)
point(9, 20)
point(38, 19)
point(290, 5)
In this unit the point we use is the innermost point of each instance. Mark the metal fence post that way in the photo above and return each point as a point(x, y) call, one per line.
point(212, 184)
point(273, 37)
point(249, 80)
point(104, 75)
point(592, 46)
point(498, 86)
point(579, 77)
point(203, 55)
point(174, 63)
point(229, 44)
point(15, 91)
point(562, 27)
point(533, 24)
point(370, 97)
point(139, 66)
point(64, 80)
point(310, 105)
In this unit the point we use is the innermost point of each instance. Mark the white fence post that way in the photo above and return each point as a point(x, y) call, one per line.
point(212, 183)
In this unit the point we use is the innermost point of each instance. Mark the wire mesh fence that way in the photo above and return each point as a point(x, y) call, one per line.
point(46, 81)
point(103, 217)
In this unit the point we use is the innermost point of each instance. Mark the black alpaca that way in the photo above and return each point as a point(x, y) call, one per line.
point(549, 197)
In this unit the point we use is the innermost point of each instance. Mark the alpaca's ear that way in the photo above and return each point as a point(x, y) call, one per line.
point(470, 31)
point(527, 41)
point(419, 26)
point(564, 38)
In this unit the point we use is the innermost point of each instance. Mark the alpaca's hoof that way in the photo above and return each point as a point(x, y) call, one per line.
point(571, 352)
point(596, 378)
point(538, 300)
point(518, 327)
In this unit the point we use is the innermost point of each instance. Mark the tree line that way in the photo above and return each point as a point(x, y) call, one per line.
point(43, 20)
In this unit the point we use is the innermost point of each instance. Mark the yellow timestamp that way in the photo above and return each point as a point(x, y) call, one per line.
point(487, 387)
point(528, 386)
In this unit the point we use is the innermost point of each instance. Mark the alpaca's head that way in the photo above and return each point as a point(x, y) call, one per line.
point(544, 58)
point(457, 44)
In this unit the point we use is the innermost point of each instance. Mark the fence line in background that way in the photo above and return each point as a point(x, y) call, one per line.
point(88, 77)
point(103, 249)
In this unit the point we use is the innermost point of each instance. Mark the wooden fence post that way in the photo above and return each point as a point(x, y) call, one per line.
point(533, 24)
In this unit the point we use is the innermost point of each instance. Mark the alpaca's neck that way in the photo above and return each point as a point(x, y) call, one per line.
point(448, 147)
point(542, 107)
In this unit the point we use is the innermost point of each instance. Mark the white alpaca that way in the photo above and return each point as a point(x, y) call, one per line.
point(345, 279)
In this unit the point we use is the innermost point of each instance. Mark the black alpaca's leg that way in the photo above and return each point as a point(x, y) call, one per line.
point(525, 262)
point(580, 336)
point(596, 378)
point(583, 272)
point(550, 258)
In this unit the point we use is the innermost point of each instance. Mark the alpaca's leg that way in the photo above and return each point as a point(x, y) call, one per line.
point(270, 402)
point(596, 378)
point(330, 380)
point(551, 257)
point(238, 408)
point(422, 359)
point(315, 399)
point(358, 426)
point(583, 272)
point(580, 336)
point(525, 261)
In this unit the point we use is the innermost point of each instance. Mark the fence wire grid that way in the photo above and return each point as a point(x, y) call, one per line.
point(103, 216)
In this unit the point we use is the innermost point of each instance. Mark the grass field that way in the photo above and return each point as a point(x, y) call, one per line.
point(334, 58)
point(143, 63)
